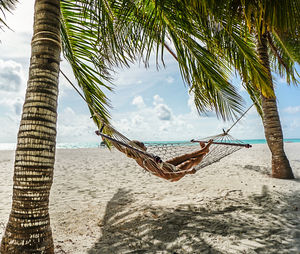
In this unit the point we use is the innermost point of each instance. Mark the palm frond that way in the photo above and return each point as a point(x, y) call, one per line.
point(94, 45)
point(209, 42)
point(6, 6)
point(286, 53)
point(80, 48)
point(150, 23)
point(232, 43)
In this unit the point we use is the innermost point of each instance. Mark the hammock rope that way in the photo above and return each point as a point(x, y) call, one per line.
point(156, 154)
point(222, 146)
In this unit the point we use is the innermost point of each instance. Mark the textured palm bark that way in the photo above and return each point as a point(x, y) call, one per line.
point(28, 229)
point(273, 132)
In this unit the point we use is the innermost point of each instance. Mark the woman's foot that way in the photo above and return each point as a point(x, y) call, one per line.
point(206, 148)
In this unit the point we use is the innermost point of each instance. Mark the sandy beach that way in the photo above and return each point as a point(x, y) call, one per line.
point(103, 202)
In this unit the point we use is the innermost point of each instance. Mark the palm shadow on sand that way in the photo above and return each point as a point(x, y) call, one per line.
point(253, 225)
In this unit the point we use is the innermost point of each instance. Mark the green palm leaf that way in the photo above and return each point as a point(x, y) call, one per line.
point(154, 22)
point(6, 6)
point(91, 62)
point(112, 33)
point(285, 50)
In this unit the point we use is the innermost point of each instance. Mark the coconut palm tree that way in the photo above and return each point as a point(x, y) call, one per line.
point(274, 27)
point(228, 30)
point(94, 39)
point(273, 45)
point(28, 228)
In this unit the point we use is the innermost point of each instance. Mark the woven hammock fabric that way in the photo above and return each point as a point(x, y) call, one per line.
point(224, 145)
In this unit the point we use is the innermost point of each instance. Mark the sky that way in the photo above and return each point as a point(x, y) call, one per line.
point(147, 104)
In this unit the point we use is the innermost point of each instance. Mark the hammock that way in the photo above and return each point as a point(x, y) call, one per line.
point(156, 153)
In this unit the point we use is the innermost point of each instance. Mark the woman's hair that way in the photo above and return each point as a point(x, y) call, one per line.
point(139, 144)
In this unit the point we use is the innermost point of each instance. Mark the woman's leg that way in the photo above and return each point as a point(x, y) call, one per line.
point(185, 157)
point(190, 163)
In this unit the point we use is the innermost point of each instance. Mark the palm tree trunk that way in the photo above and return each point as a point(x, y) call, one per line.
point(280, 165)
point(28, 229)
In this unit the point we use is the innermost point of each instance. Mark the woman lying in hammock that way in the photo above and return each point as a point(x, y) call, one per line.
point(173, 169)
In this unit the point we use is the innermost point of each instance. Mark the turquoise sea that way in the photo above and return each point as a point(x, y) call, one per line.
point(12, 146)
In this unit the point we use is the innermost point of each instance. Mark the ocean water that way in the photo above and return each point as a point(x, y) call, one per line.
point(263, 141)
point(12, 146)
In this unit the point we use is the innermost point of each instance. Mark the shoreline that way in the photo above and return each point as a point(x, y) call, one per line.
point(102, 202)
point(79, 145)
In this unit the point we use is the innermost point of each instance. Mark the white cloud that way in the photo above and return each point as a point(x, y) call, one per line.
point(157, 100)
point(12, 89)
point(18, 106)
point(134, 76)
point(191, 104)
point(12, 116)
point(14, 104)
point(8, 129)
point(163, 112)
point(21, 19)
point(292, 110)
point(137, 120)
point(11, 76)
point(75, 127)
point(15, 42)
point(170, 80)
point(138, 74)
point(158, 122)
point(138, 101)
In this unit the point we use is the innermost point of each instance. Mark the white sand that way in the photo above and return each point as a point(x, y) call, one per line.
point(102, 202)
